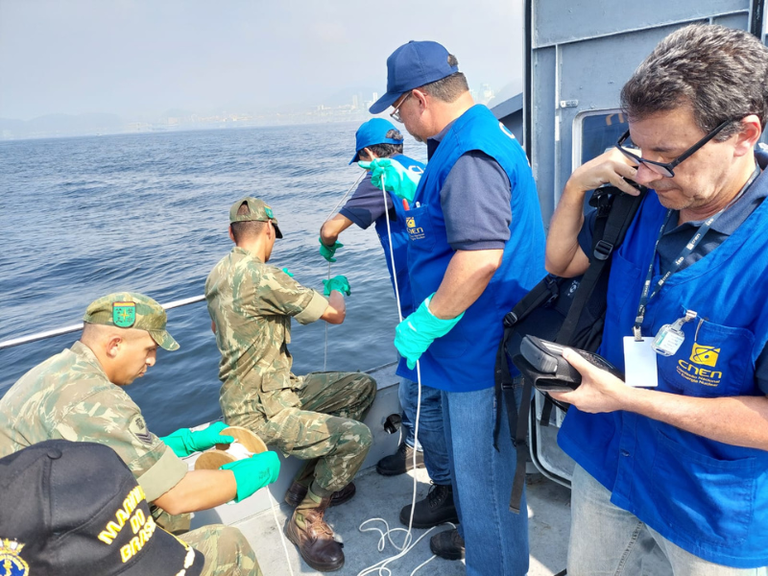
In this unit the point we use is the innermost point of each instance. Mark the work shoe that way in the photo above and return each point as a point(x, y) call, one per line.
point(399, 462)
point(298, 491)
point(436, 508)
point(313, 537)
point(447, 544)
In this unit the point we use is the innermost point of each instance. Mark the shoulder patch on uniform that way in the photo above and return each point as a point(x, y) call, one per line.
point(10, 559)
point(139, 429)
point(124, 314)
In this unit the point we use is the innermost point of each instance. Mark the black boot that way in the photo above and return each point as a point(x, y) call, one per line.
point(447, 544)
point(399, 462)
point(435, 509)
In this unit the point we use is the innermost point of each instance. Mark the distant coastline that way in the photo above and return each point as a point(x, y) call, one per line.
point(350, 109)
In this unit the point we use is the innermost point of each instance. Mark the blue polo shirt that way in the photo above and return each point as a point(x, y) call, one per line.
point(365, 206)
point(474, 222)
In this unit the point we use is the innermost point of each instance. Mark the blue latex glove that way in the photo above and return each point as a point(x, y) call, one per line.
point(338, 283)
point(184, 441)
point(254, 473)
point(289, 273)
point(397, 179)
point(328, 252)
point(415, 334)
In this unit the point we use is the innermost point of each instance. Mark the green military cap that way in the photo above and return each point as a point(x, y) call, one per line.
point(132, 310)
point(258, 211)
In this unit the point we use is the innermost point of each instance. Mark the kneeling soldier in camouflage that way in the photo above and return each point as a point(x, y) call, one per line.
point(316, 417)
point(76, 395)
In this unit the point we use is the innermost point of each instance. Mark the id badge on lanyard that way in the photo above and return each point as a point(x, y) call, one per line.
point(641, 352)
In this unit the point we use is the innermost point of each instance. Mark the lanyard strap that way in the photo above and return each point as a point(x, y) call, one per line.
point(646, 294)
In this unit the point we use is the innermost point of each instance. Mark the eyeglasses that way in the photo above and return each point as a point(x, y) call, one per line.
point(666, 169)
point(396, 112)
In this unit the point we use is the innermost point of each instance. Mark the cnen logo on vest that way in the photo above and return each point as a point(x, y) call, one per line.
point(698, 368)
point(414, 232)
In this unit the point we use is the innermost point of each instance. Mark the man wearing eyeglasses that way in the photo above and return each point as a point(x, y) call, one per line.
point(475, 248)
point(674, 463)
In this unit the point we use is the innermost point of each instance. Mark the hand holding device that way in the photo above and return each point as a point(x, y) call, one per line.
point(542, 362)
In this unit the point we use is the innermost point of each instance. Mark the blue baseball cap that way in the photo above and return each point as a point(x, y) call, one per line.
point(373, 132)
point(410, 66)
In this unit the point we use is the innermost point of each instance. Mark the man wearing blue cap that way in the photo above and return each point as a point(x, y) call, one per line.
point(376, 139)
point(476, 246)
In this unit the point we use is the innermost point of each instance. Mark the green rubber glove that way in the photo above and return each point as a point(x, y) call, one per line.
point(415, 334)
point(328, 252)
point(397, 179)
point(254, 473)
point(289, 273)
point(338, 283)
point(184, 441)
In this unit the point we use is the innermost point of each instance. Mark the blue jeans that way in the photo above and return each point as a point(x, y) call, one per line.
point(496, 539)
point(609, 541)
point(431, 434)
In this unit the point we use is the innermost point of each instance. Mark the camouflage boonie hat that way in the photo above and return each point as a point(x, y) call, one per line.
point(132, 310)
point(259, 211)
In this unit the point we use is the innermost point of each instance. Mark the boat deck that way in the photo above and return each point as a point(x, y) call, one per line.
point(382, 497)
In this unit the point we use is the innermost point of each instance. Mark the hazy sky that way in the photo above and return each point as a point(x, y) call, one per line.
point(146, 56)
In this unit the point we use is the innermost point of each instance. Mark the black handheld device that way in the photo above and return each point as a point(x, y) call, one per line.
point(542, 362)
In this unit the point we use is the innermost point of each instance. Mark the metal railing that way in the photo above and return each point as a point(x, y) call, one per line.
point(79, 326)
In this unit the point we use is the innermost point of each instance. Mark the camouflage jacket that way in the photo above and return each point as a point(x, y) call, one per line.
point(69, 396)
point(251, 304)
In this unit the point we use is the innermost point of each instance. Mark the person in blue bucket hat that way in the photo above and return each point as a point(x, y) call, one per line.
point(379, 139)
point(469, 262)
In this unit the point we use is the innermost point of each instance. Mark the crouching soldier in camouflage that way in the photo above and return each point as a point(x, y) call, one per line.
point(76, 395)
point(316, 417)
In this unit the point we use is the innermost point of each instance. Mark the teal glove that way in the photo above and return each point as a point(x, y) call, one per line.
point(254, 473)
point(327, 252)
point(289, 273)
point(338, 283)
point(184, 441)
point(397, 179)
point(414, 334)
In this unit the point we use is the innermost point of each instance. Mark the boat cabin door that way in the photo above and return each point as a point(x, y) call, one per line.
point(578, 55)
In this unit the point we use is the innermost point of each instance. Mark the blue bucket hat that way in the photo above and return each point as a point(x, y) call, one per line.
point(373, 132)
point(410, 66)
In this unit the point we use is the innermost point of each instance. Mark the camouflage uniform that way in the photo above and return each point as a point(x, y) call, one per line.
point(69, 396)
point(316, 417)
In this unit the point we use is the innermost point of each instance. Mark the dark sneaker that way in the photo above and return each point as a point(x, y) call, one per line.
point(436, 508)
point(313, 537)
point(297, 492)
point(448, 544)
point(399, 462)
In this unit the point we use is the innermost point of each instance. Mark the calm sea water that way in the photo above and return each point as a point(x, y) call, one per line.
point(83, 217)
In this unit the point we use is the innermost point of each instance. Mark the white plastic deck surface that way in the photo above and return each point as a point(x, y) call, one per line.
point(548, 511)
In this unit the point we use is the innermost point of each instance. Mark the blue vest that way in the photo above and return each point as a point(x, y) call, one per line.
point(463, 360)
point(400, 249)
point(707, 497)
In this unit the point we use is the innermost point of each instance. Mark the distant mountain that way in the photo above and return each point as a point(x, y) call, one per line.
point(54, 125)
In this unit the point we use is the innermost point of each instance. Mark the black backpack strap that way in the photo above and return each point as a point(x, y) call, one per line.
point(502, 381)
point(518, 417)
point(546, 290)
point(546, 410)
point(622, 212)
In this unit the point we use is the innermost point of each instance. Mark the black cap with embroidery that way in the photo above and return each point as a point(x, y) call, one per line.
point(74, 508)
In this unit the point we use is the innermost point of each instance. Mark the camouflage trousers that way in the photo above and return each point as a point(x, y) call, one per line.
point(326, 429)
point(226, 551)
